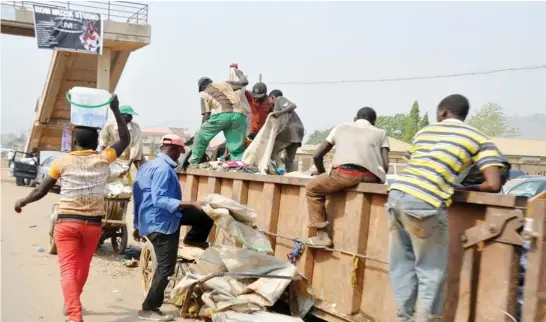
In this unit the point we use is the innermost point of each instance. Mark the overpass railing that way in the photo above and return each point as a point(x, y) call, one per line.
point(122, 11)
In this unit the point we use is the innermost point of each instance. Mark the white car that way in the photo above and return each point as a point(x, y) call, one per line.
point(46, 159)
point(394, 170)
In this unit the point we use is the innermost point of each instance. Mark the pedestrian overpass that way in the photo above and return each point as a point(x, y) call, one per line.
point(126, 29)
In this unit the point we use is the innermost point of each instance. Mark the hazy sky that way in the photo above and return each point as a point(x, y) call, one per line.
point(310, 41)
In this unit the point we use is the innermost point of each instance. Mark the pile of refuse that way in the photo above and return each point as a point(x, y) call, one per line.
point(115, 188)
point(229, 283)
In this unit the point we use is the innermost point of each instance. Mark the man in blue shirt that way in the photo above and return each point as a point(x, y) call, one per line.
point(158, 214)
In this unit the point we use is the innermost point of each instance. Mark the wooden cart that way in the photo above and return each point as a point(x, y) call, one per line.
point(114, 225)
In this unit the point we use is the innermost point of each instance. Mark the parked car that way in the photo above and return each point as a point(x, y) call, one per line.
point(47, 158)
point(515, 174)
point(394, 170)
point(527, 187)
point(23, 167)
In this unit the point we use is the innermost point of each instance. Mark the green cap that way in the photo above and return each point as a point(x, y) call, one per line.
point(126, 109)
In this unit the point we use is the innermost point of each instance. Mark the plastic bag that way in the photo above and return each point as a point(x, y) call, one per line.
point(116, 170)
point(118, 190)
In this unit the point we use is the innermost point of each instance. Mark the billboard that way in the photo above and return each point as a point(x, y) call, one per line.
point(63, 29)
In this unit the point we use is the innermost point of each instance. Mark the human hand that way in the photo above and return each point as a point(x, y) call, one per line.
point(193, 204)
point(275, 114)
point(114, 104)
point(136, 235)
point(459, 187)
point(234, 65)
point(123, 173)
point(19, 204)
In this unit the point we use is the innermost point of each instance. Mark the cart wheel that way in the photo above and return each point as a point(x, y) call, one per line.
point(148, 264)
point(119, 240)
point(52, 249)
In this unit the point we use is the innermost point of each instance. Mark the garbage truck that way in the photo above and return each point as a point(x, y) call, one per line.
point(351, 281)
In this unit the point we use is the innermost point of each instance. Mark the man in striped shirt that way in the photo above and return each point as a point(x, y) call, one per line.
point(417, 207)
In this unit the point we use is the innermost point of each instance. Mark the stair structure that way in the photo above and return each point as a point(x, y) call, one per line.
point(125, 30)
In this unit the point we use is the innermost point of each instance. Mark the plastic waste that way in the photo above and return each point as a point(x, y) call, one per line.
point(118, 190)
point(116, 170)
point(88, 106)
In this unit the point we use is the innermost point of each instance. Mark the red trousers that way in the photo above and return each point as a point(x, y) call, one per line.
point(76, 243)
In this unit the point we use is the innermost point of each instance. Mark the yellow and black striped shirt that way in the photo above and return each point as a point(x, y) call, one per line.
point(439, 153)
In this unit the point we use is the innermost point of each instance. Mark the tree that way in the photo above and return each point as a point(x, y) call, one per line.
point(318, 136)
point(412, 123)
point(424, 121)
point(14, 141)
point(154, 149)
point(492, 121)
point(394, 125)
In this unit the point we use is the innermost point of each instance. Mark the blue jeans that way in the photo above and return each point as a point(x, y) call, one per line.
point(418, 252)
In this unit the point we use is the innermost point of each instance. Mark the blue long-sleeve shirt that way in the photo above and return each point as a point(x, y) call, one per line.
point(157, 196)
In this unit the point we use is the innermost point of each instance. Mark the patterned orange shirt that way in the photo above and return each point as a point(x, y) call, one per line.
point(83, 176)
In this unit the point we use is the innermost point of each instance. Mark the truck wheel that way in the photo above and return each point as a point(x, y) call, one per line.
point(19, 181)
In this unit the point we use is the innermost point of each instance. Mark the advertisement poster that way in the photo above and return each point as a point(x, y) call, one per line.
point(66, 141)
point(64, 29)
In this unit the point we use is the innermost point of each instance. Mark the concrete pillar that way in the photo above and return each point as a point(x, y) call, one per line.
point(103, 70)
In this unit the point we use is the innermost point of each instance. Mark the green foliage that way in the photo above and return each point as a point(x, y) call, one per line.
point(424, 121)
point(154, 148)
point(318, 136)
point(394, 125)
point(399, 126)
point(492, 121)
point(14, 141)
point(412, 123)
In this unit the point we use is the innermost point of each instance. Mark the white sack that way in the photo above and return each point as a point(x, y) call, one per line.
point(244, 294)
point(231, 316)
point(258, 153)
point(238, 211)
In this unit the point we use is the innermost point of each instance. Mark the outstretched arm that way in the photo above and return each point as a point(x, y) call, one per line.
point(242, 82)
point(123, 130)
point(36, 194)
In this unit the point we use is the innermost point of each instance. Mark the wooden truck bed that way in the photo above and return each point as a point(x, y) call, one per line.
point(484, 265)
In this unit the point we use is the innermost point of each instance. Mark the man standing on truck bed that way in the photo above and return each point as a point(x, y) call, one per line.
point(291, 131)
point(83, 175)
point(417, 207)
point(158, 214)
point(362, 155)
point(109, 134)
point(229, 116)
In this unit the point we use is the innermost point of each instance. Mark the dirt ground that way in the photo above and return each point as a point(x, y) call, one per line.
point(30, 285)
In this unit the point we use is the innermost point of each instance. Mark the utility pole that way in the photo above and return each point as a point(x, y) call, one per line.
point(260, 78)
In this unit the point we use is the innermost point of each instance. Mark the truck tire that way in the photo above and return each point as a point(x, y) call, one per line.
point(19, 181)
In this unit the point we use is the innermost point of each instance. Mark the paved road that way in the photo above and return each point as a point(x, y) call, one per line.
point(30, 286)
